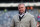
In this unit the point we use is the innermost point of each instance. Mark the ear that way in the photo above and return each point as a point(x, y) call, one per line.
point(25, 7)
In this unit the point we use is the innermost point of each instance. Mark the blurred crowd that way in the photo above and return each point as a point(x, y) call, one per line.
point(6, 16)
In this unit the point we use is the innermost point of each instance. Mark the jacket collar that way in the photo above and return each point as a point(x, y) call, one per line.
point(24, 15)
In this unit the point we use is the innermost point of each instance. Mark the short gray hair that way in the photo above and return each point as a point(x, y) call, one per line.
point(21, 4)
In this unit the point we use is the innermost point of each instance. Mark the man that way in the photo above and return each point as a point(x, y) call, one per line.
point(23, 19)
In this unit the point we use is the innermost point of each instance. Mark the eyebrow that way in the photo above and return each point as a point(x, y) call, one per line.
point(21, 7)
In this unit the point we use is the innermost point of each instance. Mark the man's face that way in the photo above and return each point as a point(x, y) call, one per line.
point(21, 8)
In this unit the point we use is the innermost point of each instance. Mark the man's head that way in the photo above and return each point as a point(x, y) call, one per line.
point(21, 8)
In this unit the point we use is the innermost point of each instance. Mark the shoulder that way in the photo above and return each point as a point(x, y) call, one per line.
point(15, 16)
point(29, 15)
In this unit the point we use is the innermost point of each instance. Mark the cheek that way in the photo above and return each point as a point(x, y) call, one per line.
point(23, 9)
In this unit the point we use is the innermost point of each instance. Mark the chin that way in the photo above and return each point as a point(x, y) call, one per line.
point(21, 12)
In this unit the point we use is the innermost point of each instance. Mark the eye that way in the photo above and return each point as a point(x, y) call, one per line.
point(21, 7)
